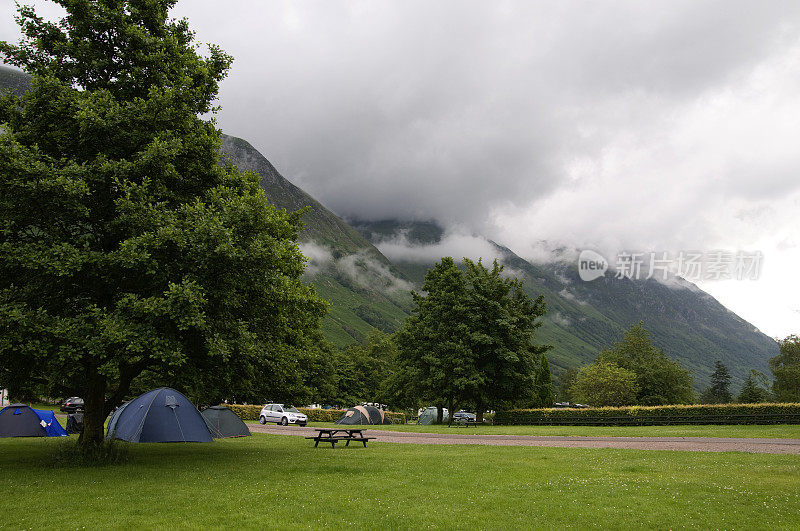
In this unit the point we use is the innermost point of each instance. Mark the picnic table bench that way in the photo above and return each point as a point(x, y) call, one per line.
point(463, 423)
point(334, 435)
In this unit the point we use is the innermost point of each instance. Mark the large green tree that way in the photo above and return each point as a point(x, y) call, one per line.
point(659, 379)
point(471, 339)
point(125, 245)
point(786, 369)
point(434, 363)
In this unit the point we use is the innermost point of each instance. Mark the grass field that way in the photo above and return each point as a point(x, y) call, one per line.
point(279, 481)
point(778, 431)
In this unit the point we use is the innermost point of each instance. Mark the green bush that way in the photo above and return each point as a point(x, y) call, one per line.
point(655, 415)
point(314, 415)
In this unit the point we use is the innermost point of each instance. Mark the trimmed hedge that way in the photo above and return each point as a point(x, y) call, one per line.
point(655, 415)
point(251, 412)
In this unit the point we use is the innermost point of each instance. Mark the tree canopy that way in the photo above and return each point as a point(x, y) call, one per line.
point(659, 379)
point(125, 245)
point(605, 384)
point(470, 340)
point(362, 371)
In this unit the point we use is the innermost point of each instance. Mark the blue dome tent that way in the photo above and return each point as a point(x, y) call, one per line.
point(160, 415)
point(20, 420)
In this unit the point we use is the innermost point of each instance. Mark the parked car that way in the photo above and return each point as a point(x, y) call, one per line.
point(72, 404)
point(464, 416)
point(283, 415)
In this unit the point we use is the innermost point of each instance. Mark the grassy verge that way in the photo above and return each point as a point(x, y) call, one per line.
point(778, 431)
point(241, 482)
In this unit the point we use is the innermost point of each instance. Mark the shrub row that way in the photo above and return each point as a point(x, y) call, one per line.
point(655, 415)
point(251, 412)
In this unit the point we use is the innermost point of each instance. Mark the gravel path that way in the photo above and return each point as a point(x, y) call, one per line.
point(691, 444)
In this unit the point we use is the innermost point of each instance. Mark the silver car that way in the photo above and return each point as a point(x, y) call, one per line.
point(283, 415)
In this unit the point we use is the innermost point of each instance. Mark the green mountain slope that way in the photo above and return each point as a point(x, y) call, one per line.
point(584, 317)
point(322, 226)
point(13, 79)
point(364, 289)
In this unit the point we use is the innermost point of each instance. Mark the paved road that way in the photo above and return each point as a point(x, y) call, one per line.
point(691, 444)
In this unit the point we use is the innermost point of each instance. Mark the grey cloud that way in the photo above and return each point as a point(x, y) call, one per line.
point(457, 245)
point(447, 110)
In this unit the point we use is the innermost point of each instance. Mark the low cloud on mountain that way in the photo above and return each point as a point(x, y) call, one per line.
point(359, 268)
point(454, 244)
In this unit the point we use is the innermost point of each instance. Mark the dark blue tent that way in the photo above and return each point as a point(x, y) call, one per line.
point(160, 415)
point(19, 420)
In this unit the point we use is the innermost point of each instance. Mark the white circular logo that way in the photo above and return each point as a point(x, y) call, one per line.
point(591, 265)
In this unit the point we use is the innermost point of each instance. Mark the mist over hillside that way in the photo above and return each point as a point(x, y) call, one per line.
point(584, 317)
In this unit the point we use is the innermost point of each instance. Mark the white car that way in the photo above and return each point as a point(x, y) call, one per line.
point(283, 415)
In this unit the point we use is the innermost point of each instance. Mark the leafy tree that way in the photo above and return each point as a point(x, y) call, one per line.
point(786, 369)
point(502, 323)
point(659, 379)
point(605, 384)
point(754, 390)
point(719, 390)
point(125, 246)
point(362, 371)
point(470, 340)
point(434, 362)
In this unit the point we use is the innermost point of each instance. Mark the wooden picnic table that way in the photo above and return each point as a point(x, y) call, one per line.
point(334, 435)
point(463, 423)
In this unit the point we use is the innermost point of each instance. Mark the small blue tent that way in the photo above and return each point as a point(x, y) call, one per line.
point(160, 415)
point(20, 420)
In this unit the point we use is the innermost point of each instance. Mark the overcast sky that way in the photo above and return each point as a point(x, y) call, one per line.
point(649, 126)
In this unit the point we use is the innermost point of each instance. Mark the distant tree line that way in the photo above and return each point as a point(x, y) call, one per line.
point(635, 372)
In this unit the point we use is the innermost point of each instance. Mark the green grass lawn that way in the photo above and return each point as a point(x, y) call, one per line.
point(778, 431)
point(277, 481)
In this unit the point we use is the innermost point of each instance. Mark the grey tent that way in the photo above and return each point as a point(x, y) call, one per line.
point(363, 415)
point(223, 423)
point(160, 415)
point(20, 420)
point(429, 416)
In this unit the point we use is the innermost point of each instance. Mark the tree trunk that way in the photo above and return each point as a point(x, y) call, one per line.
point(479, 412)
point(450, 408)
point(439, 414)
point(94, 415)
